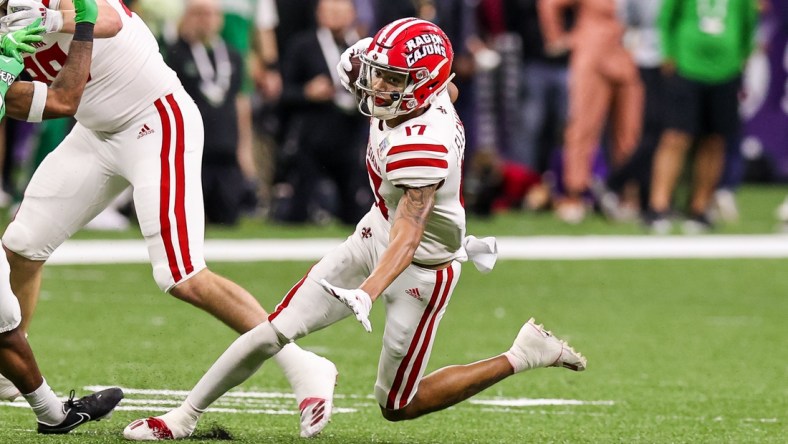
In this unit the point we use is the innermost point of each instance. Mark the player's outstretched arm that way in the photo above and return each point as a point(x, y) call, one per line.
point(33, 100)
point(410, 221)
point(59, 16)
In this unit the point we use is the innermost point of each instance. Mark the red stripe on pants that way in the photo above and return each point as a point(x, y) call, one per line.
point(417, 364)
point(164, 191)
point(286, 301)
point(403, 366)
point(180, 187)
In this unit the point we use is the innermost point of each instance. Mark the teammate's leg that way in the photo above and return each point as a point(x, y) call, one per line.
point(170, 212)
point(67, 190)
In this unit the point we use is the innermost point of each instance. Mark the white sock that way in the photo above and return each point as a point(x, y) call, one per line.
point(299, 367)
point(291, 359)
point(518, 364)
point(47, 407)
point(191, 411)
point(183, 420)
point(240, 361)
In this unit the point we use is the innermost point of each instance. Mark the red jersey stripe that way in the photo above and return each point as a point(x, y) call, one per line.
point(417, 147)
point(410, 163)
point(376, 182)
point(164, 191)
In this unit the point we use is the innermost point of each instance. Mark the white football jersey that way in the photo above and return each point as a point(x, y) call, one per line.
point(127, 72)
point(423, 151)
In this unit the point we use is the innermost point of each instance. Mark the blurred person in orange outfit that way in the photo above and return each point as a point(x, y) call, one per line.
point(603, 83)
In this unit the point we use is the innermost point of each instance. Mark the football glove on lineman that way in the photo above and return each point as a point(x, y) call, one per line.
point(357, 300)
point(16, 42)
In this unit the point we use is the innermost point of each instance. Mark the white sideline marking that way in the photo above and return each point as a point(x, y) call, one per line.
point(523, 248)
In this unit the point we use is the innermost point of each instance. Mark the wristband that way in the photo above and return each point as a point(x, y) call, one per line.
point(83, 32)
point(36, 113)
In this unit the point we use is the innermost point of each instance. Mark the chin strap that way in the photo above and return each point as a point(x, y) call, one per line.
point(440, 89)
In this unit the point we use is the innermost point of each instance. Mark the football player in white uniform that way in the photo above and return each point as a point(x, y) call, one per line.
point(405, 252)
point(16, 358)
point(137, 127)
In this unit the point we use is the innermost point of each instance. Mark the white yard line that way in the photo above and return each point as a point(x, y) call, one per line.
point(525, 402)
point(523, 248)
point(277, 403)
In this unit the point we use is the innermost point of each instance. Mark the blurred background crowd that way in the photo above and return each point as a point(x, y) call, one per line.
point(648, 111)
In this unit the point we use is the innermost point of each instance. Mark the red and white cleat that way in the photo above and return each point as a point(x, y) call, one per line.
point(315, 414)
point(156, 429)
point(313, 382)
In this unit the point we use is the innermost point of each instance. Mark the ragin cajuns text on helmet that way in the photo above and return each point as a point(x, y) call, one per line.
point(412, 47)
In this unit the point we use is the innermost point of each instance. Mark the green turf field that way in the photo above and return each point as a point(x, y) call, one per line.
point(680, 351)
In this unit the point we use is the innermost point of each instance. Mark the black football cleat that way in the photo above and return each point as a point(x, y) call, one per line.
point(93, 407)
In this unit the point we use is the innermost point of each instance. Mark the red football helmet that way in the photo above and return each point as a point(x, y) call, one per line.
point(413, 50)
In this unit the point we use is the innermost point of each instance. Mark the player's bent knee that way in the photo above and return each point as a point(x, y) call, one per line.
point(188, 288)
point(395, 415)
point(20, 241)
point(10, 312)
point(266, 339)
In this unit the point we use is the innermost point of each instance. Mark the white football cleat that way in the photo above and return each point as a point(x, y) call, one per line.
point(535, 347)
point(316, 392)
point(8, 391)
point(158, 428)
